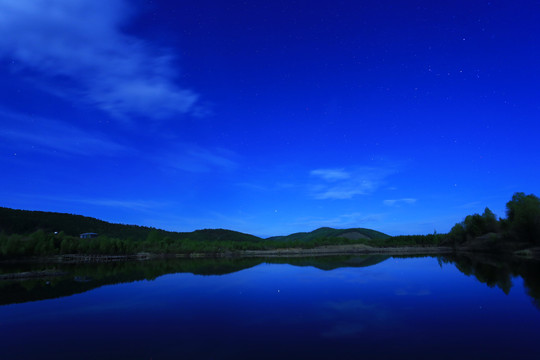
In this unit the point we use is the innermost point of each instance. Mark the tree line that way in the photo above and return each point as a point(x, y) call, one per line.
point(521, 225)
point(29, 233)
point(41, 243)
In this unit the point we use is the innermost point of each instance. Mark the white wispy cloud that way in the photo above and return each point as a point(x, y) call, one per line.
point(48, 135)
point(219, 158)
point(397, 202)
point(27, 133)
point(120, 203)
point(341, 184)
point(355, 219)
point(196, 159)
point(57, 138)
point(80, 44)
point(471, 205)
point(331, 174)
point(137, 204)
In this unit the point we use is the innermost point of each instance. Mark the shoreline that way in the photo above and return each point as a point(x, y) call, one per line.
point(348, 250)
point(323, 251)
point(329, 250)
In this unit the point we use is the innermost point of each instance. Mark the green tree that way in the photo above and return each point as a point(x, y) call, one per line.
point(474, 226)
point(154, 237)
point(66, 246)
point(490, 223)
point(523, 217)
point(457, 235)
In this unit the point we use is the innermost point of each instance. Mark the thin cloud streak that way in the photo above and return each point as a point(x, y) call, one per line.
point(51, 136)
point(196, 159)
point(340, 184)
point(341, 221)
point(331, 174)
point(57, 138)
point(141, 205)
point(132, 204)
point(397, 202)
point(118, 73)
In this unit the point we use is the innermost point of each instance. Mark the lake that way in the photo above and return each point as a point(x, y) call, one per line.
point(346, 307)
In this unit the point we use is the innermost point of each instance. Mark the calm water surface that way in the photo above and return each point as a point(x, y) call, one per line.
point(340, 308)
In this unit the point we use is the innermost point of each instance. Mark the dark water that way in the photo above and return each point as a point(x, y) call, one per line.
point(321, 308)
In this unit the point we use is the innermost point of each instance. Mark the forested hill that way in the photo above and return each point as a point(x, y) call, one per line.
point(26, 222)
point(326, 232)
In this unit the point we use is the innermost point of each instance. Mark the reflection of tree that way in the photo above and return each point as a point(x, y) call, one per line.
point(79, 278)
point(498, 271)
point(494, 276)
point(531, 279)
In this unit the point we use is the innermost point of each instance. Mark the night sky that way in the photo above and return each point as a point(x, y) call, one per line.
point(269, 117)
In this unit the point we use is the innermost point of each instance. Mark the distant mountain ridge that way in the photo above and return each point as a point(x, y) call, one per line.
point(25, 222)
point(327, 232)
point(14, 221)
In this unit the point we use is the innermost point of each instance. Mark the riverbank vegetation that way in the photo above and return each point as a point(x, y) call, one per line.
point(41, 243)
point(520, 228)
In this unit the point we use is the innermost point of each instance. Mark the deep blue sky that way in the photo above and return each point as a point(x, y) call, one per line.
point(269, 117)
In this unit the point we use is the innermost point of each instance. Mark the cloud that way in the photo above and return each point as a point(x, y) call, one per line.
point(340, 221)
point(56, 138)
point(193, 158)
point(331, 174)
point(471, 205)
point(341, 184)
point(140, 205)
point(397, 202)
point(47, 135)
point(212, 159)
point(132, 204)
point(79, 48)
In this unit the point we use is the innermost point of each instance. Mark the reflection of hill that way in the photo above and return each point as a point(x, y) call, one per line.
point(332, 262)
point(79, 278)
point(490, 270)
point(498, 271)
point(83, 277)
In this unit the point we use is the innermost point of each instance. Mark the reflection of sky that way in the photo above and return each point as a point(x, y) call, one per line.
point(407, 307)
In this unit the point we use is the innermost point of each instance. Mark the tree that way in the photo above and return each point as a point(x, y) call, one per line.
point(490, 223)
point(523, 217)
point(474, 226)
point(154, 236)
point(457, 234)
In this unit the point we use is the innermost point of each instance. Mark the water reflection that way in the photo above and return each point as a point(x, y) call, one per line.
point(318, 308)
point(68, 279)
point(498, 271)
